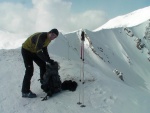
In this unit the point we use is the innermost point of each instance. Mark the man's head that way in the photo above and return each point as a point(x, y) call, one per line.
point(52, 34)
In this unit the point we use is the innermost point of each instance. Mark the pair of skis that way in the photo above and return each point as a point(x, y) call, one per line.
point(81, 91)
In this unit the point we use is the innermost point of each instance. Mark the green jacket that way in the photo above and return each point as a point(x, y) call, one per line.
point(37, 43)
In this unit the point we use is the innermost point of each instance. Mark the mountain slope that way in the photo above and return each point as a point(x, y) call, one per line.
point(129, 20)
point(102, 94)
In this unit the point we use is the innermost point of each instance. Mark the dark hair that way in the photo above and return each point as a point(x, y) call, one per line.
point(55, 31)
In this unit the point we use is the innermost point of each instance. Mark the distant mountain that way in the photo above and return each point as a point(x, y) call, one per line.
point(129, 20)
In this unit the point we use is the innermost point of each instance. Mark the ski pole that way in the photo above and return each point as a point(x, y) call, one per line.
point(83, 39)
point(82, 70)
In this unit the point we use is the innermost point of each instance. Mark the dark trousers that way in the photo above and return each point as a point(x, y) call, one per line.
point(28, 58)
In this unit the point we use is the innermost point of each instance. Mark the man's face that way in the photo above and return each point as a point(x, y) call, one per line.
point(52, 36)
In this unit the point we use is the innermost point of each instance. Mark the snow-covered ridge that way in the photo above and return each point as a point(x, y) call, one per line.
point(129, 20)
point(104, 91)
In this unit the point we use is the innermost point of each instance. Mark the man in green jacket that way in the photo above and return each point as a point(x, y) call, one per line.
point(35, 49)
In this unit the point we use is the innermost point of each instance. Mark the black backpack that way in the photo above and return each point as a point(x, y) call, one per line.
point(51, 83)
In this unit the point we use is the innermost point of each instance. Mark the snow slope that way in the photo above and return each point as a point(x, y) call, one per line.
point(105, 50)
point(131, 19)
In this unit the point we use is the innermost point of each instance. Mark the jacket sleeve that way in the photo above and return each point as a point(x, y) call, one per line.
point(39, 48)
point(42, 56)
point(39, 42)
point(45, 51)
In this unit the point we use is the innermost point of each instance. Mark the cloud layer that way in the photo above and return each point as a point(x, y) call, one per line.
point(47, 14)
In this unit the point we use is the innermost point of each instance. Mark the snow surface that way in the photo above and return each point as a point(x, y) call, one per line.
point(104, 92)
point(132, 19)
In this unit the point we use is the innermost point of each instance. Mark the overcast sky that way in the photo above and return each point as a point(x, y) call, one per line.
point(66, 15)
